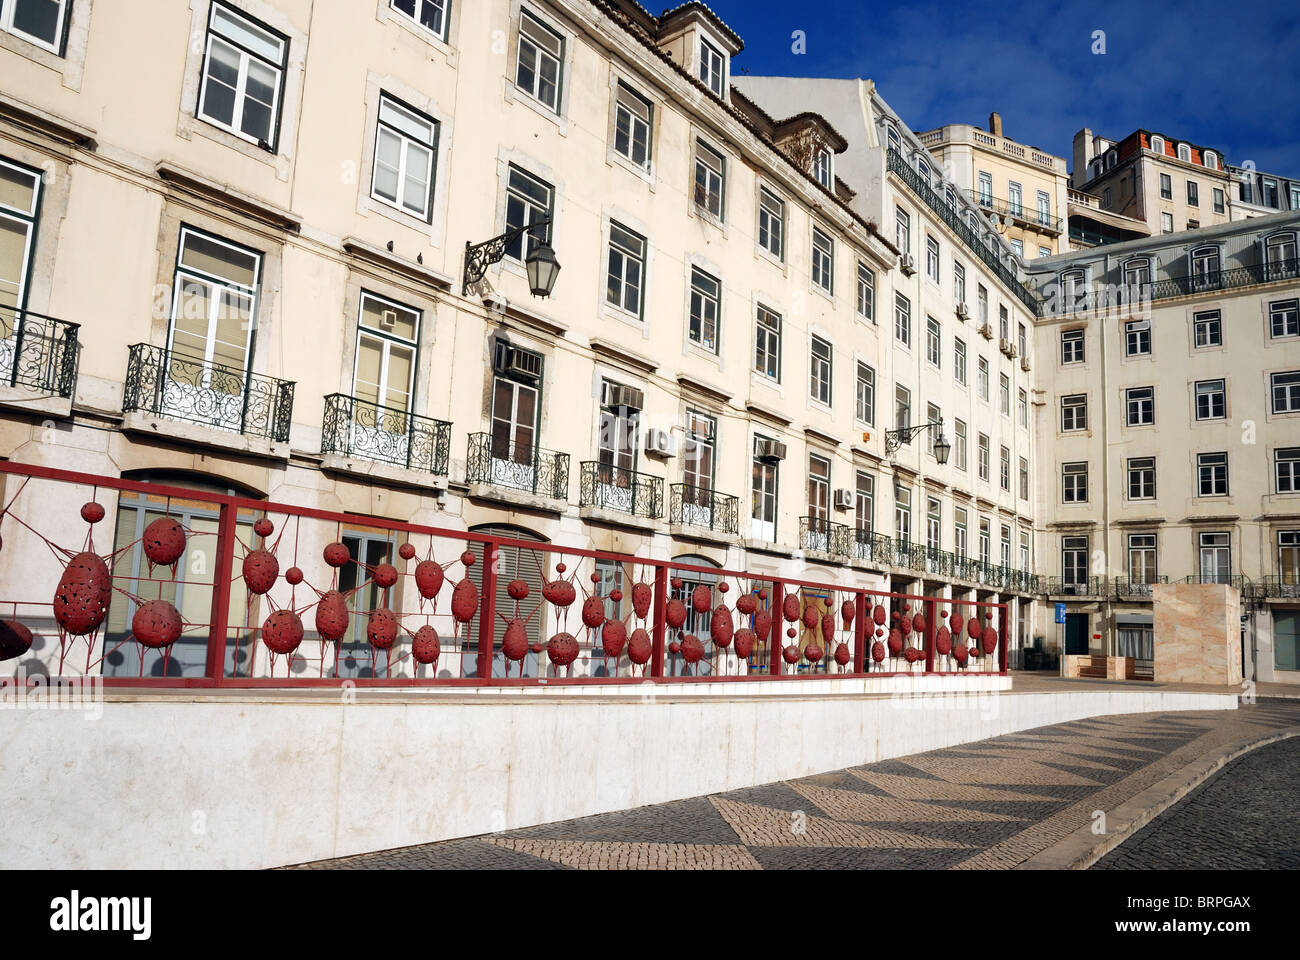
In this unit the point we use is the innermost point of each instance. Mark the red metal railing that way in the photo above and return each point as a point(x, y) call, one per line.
point(553, 614)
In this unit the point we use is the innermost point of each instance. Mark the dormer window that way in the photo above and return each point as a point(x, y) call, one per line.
point(1184, 153)
point(894, 140)
point(1280, 250)
point(713, 68)
point(1206, 267)
point(923, 169)
point(1137, 272)
point(1211, 160)
point(1110, 159)
point(1158, 145)
point(823, 167)
point(1072, 288)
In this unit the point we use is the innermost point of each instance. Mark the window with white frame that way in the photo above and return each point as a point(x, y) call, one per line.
point(41, 22)
point(20, 195)
point(933, 415)
point(429, 14)
point(1004, 468)
point(932, 341)
point(633, 123)
point(822, 167)
point(1004, 323)
point(1285, 391)
point(1166, 187)
point(959, 360)
point(406, 145)
point(1137, 338)
point(1074, 412)
point(1074, 483)
point(1141, 478)
point(902, 512)
point(1184, 153)
point(1074, 560)
point(1022, 340)
point(1022, 407)
point(1166, 223)
point(1004, 541)
point(1044, 252)
point(1044, 208)
point(706, 308)
point(1137, 272)
point(1205, 266)
point(1211, 399)
point(865, 396)
point(1284, 318)
point(1015, 199)
point(902, 229)
point(902, 407)
point(985, 188)
point(1193, 194)
point(1024, 478)
point(865, 501)
point(1218, 200)
point(902, 319)
point(1211, 159)
point(388, 336)
point(539, 69)
point(982, 378)
point(1158, 145)
point(823, 260)
point(1207, 329)
point(529, 200)
point(243, 77)
point(767, 344)
point(1140, 406)
point(771, 223)
point(932, 258)
point(866, 292)
point(1288, 558)
point(958, 282)
point(1142, 558)
point(819, 372)
point(1004, 394)
point(933, 523)
point(982, 456)
point(986, 539)
point(959, 443)
point(1212, 474)
point(626, 270)
point(1286, 469)
point(1071, 346)
point(1017, 247)
point(710, 179)
point(982, 295)
point(713, 68)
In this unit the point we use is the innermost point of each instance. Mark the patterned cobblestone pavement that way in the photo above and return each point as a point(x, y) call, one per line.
point(991, 804)
point(1242, 818)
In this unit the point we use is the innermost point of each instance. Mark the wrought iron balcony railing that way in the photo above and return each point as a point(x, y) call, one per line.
point(359, 428)
point(959, 226)
point(1285, 586)
point(1075, 586)
point(180, 387)
point(608, 487)
point(1129, 588)
point(534, 470)
point(705, 508)
point(825, 536)
point(1030, 215)
point(1229, 579)
point(1101, 297)
point(38, 352)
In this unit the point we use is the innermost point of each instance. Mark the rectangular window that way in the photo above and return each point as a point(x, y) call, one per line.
point(866, 292)
point(20, 192)
point(1193, 194)
point(1286, 469)
point(387, 340)
point(528, 201)
point(1284, 318)
point(823, 168)
point(865, 501)
point(1285, 389)
point(1005, 543)
point(1137, 338)
point(902, 407)
point(40, 22)
point(959, 544)
point(1074, 560)
point(959, 443)
point(865, 406)
point(819, 382)
point(1074, 483)
point(633, 122)
point(1166, 223)
point(710, 179)
point(763, 489)
point(699, 461)
point(1288, 569)
point(932, 341)
point(243, 74)
point(706, 308)
point(1022, 340)
point(933, 523)
point(1004, 323)
point(626, 274)
point(903, 513)
point(982, 378)
point(959, 360)
point(1004, 469)
point(1015, 199)
point(902, 320)
point(985, 188)
point(713, 68)
point(771, 223)
point(933, 415)
point(1207, 328)
point(1218, 200)
point(1166, 187)
point(1024, 550)
point(1212, 474)
point(823, 260)
point(982, 454)
point(1211, 400)
point(982, 295)
point(767, 344)
point(430, 14)
point(406, 144)
point(1022, 407)
point(1074, 412)
point(1140, 406)
point(1141, 478)
point(540, 62)
point(1142, 558)
point(819, 490)
point(1004, 394)
point(932, 258)
point(1072, 346)
point(1024, 479)
point(1216, 557)
point(986, 536)
point(1044, 209)
point(958, 282)
point(902, 230)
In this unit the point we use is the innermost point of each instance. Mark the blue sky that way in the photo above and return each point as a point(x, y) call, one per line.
point(1224, 75)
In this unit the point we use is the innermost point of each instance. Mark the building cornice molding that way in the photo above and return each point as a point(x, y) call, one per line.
point(49, 125)
point(394, 263)
point(528, 319)
point(767, 413)
point(196, 185)
point(622, 356)
point(689, 384)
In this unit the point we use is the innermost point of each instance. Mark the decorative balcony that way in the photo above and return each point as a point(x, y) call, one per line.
point(1029, 216)
point(38, 352)
point(607, 487)
point(871, 547)
point(542, 473)
point(1075, 587)
point(818, 535)
point(168, 384)
point(1169, 288)
point(1128, 588)
point(1286, 586)
point(693, 506)
point(1228, 579)
point(359, 428)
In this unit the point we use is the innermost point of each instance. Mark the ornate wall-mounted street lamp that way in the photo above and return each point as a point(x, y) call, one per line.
point(897, 438)
point(542, 266)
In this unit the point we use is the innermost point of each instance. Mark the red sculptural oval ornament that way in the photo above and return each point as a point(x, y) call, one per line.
point(880, 615)
point(428, 579)
point(904, 626)
point(336, 554)
point(15, 639)
point(943, 641)
point(562, 649)
point(559, 593)
point(989, 640)
point(895, 642)
point(424, 645)
point(790, 607)
point(514, 642)
point(593, 612)
point(811, 618)
point(536, 647)
point(263, 527)
point(407, 552)
point(842, 654)
point(613, 638)
point(973, 628)
point(381, 629)
point(464, 600)
point(721, 629)
point(639, 647)
point(260, 570)
point(911, 654)
point(692, 648)
point(878, 651)
point(468, 558)
point(762, 625)
point(828, 628)
point(164, 541)
point(746, 604)
point(332, 616)
point(282, 632)
point(848, 610)
point(92, 512)
point(517, 589)
point(959, 653)
point(675, 614)
point(385, 576)
point(918, 623)
point(616, 595)
point(642, 596)
point(790, 654)
point(674, 647)
point(702, 599)
point(955, 623)
point(743, 639)
point(82, 595)
point(293, 576)
point(813, 652)
point(156, 624)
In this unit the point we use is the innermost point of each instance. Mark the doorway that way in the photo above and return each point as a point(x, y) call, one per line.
point(1076, 634)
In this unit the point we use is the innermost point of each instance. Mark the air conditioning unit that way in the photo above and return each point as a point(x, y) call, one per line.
point(1025, 364)
point(843, 499)
point(986, 331)
point(769, 451)
point(962, 313)
point(511, 361)
point(660, 443)
point(1013, 352)
point(620, 397)
point(388, 320)
point(907, 263)
point(1004, 346)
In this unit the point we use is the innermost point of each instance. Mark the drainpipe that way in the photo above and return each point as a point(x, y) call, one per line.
point(1106, 606)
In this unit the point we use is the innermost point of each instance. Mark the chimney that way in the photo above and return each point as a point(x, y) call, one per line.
point(1082, 154)
point(995, 124)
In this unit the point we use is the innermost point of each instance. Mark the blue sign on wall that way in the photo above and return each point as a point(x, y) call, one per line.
point(1060, 613)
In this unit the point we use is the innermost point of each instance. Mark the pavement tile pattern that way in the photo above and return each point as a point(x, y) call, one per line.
point(986, 805)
